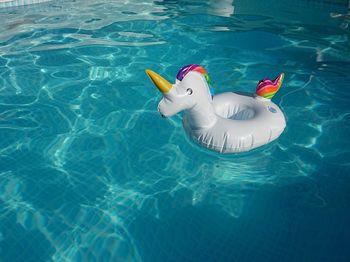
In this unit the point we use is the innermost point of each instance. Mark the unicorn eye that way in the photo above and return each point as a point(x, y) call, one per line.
point(189, 91)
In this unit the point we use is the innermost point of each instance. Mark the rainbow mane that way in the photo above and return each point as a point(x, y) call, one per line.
point(193, 67)
point(267, 88)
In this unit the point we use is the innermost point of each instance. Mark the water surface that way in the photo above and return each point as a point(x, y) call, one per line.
point(89, 171)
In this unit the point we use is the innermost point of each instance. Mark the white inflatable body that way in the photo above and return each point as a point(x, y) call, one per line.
point(227, 122)
point(242, 123)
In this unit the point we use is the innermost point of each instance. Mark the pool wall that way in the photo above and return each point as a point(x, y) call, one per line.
point(12, 3)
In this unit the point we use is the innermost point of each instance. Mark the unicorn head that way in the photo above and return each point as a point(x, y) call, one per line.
point(190, 91)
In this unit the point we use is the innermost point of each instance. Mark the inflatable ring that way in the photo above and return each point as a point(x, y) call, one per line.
point(227, 122)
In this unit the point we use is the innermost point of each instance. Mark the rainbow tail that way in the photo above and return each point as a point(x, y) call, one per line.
point(267, 88)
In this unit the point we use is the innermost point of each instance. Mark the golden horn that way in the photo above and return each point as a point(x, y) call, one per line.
point(163, 85)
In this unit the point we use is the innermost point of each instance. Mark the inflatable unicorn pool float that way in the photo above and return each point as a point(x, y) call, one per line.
point(227, 122)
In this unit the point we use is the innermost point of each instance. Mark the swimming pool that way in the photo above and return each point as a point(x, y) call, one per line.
point(89, 171)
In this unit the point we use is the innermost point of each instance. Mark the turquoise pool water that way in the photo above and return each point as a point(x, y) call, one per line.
point(89, 171)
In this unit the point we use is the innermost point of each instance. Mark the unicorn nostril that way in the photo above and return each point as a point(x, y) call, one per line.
point(161, 113)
